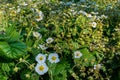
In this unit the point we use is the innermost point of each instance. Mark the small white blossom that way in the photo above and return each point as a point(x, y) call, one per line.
point(88, 15)
point(24, 4)
point(16, 69)
point(85, 6)
point(117, 53)
point(43, 47)
point(40, 58)
point(94, 13)
point(27, 75)
point(94, 24)
point(53, 58)
point(98, 18)
point(82, 12)
point(103, 16)
point(18, 10)
point(98, 66)
point(37, 35)
point(11, 8)
point(41, 69)
point(39, 17)
point(49, 40)
point(77, 54)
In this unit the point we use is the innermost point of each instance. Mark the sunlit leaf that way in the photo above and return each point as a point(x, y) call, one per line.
point(12, 50)
point(5, 67)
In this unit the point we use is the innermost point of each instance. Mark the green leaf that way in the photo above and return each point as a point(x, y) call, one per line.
point(43, 30)
point(85, 31)
point(23, 75)
point(99, 56)
point(60, 72)
point(12, 34)
point(3, 37)
point(61, 76)
point(12, 50)
point(75, 45)
point(3, 77)
point(5, 67)
point(34, 77)
point(59, 68)
point(81, 21)
point(86, 58)
point(29, 42)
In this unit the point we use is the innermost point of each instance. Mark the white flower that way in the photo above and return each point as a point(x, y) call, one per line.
point(73, 12)
point(41, 69)
point(98, 66)
point(49, 40)
point(77, 54)
point(103, 16)
point(24, 4)
point(117, 53)
point(94, 13)
point(85, 6)
point(18, 10)
point(37, 35)
point(27, 75)
point(43, 47)
point(88, 15)
point(82, 12)
point(53, 58)
point(98, 18)
point(94, 24)
point(40, 58)
point(39, 17)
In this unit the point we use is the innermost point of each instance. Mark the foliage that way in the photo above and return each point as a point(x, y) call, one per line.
point(32, 27)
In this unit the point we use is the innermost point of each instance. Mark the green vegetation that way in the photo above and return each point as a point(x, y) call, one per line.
point(59, 40)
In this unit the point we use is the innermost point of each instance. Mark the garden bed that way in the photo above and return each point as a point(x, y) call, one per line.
point(60, 40)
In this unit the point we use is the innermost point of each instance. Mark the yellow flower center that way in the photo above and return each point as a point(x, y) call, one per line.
point(38, 17)
point(53, 58)
point(49, 40)
point(41, 68)
point(41, 58)
point(77, 54)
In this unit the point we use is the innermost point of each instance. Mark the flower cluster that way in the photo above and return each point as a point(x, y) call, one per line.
point(41, 67)
point(48, 41)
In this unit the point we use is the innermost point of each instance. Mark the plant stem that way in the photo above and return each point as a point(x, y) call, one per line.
point(51, 75)
point(29, 34)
